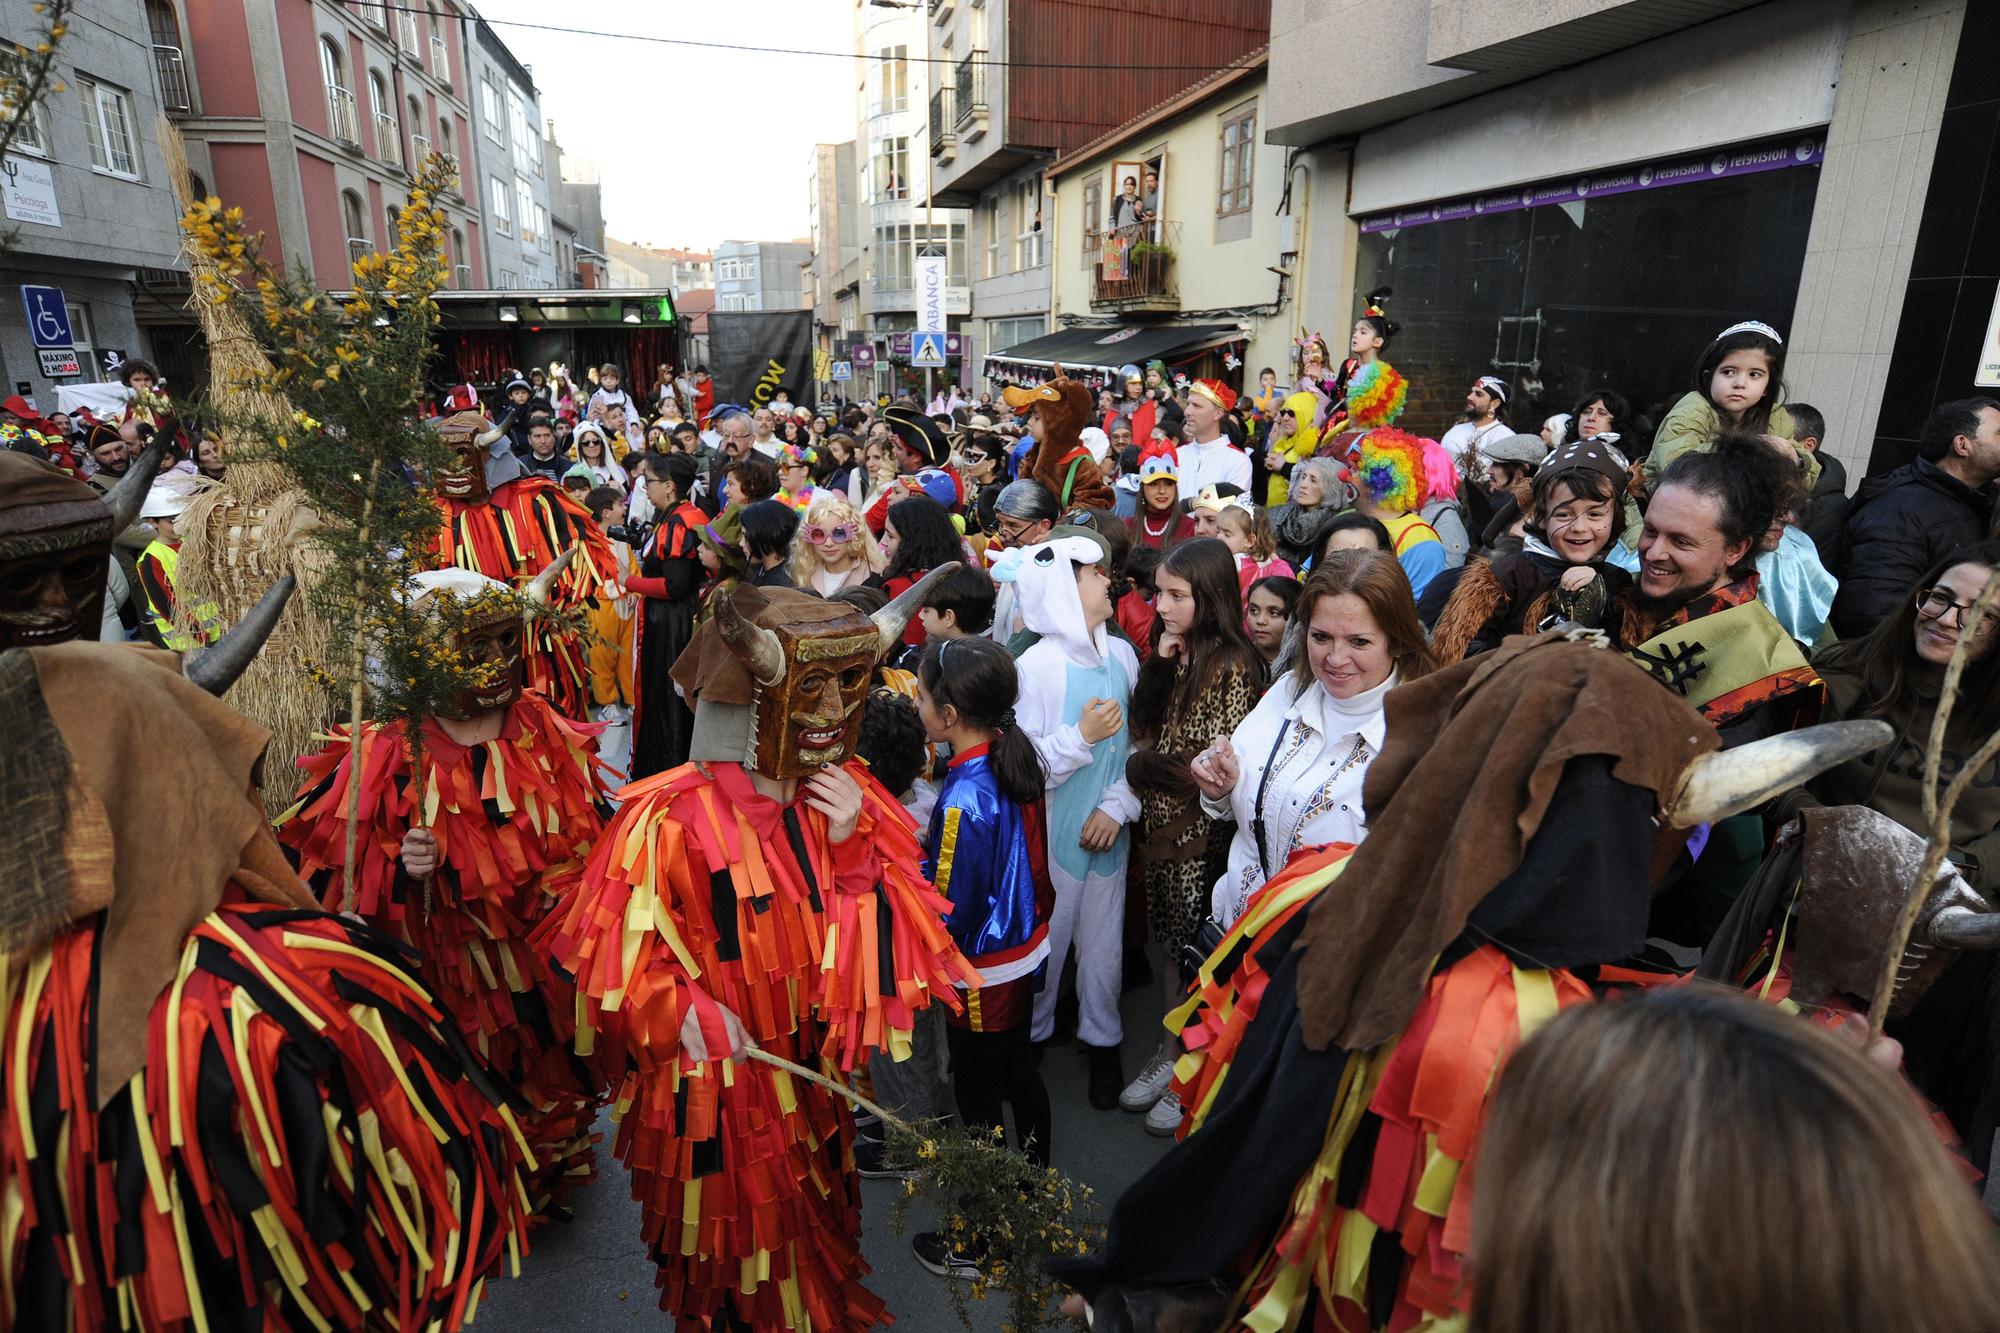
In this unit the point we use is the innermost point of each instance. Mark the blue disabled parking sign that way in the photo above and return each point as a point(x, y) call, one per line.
point(927, 349)
point(48, 326)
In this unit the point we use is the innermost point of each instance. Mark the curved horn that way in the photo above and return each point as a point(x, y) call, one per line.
point(1960, 927)
point(217, 668)
point(544, 583)
point(894, 618)
point(757, 647)
point(488, 439)
point(1728, 782)
point(130, 493)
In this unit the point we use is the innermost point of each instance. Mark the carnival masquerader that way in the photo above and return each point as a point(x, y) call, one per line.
point(668, 582)
point(1389, 479)
point(504, 523)
point(511, 802)
point(225, 1109)
point(1160, 522)
point(1058, 410)
point(1076, 682)
point(1344, 1034)
point(56, 536)
point(768, 892)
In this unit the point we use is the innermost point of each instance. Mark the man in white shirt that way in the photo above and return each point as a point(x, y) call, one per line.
point(1208, 458)
point(765, 440)
point(1485, 423)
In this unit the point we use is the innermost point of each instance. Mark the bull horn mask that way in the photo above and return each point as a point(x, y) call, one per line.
point(129, 494)
point(217, 668)
point(487, 439)
point(544, 584)
point(894, 618)
point(1726, 782)
point(1960, 927)
point(759, 648)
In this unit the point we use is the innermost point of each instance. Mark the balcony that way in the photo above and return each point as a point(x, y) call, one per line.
point(461, 277)
point(944, 130)
point(1134, 271)
point(356, 248)
point(172, 73)
point(388, 139)
point(440, 60)
point(940, 11)
point(420, 149)
point(406, 32)
point(970, 89)
point(340, 117)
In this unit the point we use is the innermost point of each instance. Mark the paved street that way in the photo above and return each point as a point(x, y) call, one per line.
point(593, 1273)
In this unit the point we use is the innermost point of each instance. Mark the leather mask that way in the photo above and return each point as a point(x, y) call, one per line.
point(466, 480)
point(53, 563)
point(495, 644)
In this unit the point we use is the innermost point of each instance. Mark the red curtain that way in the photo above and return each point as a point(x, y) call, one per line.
point(483, 355)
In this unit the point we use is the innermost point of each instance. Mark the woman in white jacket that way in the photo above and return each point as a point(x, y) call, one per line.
point(1290, 775)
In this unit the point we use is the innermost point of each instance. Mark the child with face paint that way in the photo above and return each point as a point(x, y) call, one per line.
point(1076, 681)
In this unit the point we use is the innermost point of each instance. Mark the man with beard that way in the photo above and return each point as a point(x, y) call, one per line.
point(1485, 421)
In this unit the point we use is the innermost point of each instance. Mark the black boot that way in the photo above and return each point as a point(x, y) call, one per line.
point(1107, 1077)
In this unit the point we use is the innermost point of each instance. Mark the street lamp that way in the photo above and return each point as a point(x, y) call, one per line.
point(509, 315)
point(632, 315)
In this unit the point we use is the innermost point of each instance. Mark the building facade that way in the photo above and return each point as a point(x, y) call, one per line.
point(318, 147)
point(1010, 101)
point(576, 207)
point(760, 275)
point(1687, 165)
point(87, 195)
point(833, 209)
point(509, 161)
point(897, 214)
point(1171, 240)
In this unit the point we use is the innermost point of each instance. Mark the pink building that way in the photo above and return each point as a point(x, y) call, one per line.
point(312, 114)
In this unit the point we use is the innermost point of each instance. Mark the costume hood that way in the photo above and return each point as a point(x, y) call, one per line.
point(1044, 579)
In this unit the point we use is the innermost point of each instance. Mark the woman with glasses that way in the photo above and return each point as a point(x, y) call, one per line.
point(833, 548)
point(1895, 674)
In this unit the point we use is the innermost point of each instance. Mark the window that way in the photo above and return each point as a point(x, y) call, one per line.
point(461, 272)
point(496, 199)
point(542, 226)
point(31, 137)
point(1239, 145)
point(352, 218)
point(952, 237)
point(1029, 251)
point(340, 118)
point(489, 110)
point(444, 137)
point(892, 168)
point(420, 143)
point(440, 52)
point(509, 280)
point(388, 136)
point(527, 136)
point(107, 118)
point(893, 69)
point(395, 231)
point(989, 223)
point(83, 337)
point(1002, 334)
point(1093, 216)
point(526, 212)
point(406, 29)
point(376, 12)
point(169, 69)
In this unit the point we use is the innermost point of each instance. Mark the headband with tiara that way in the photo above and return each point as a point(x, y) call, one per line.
point(1752, 326)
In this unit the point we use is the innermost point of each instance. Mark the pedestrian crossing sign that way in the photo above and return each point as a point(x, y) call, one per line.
point(927, 349)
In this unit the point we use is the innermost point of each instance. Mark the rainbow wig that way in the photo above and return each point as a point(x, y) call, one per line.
point(1376, 393)
point(1440, 472)
point(1391, 470)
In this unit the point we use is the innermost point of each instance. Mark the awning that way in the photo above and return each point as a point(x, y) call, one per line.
point(1106, 349)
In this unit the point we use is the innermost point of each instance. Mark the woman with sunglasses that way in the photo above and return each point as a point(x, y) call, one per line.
point(1895, 674)
point(833, 548)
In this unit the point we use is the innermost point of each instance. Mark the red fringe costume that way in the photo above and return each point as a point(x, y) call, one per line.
point(704, 892)
point(512, 816)
point(316, 1148)
point(512, 537)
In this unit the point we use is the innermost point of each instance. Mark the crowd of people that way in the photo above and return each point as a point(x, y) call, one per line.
point(1141, 650)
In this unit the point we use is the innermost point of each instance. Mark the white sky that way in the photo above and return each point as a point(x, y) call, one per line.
point(692, 146)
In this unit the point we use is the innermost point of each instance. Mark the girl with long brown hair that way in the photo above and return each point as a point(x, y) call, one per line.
point(1689, 1160)
point(1200, 680)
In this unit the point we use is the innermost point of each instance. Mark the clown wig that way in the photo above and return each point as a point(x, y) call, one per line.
point(1376, 393)
point(830, 509)
point(1391, 470)
point(1440, 472)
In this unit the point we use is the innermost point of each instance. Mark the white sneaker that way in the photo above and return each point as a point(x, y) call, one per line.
point(1151, 1084)
point(1165, 1117)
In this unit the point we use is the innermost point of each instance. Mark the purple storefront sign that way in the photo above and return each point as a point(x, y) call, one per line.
point(1809, 151)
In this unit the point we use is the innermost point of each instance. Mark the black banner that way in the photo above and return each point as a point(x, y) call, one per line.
point(754, 353)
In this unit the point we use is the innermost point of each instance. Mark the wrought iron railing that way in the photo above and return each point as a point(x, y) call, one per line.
point(1135, 265)
point(340, 116)
point(171, 69)
point(943, 126)
point(970, 86)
